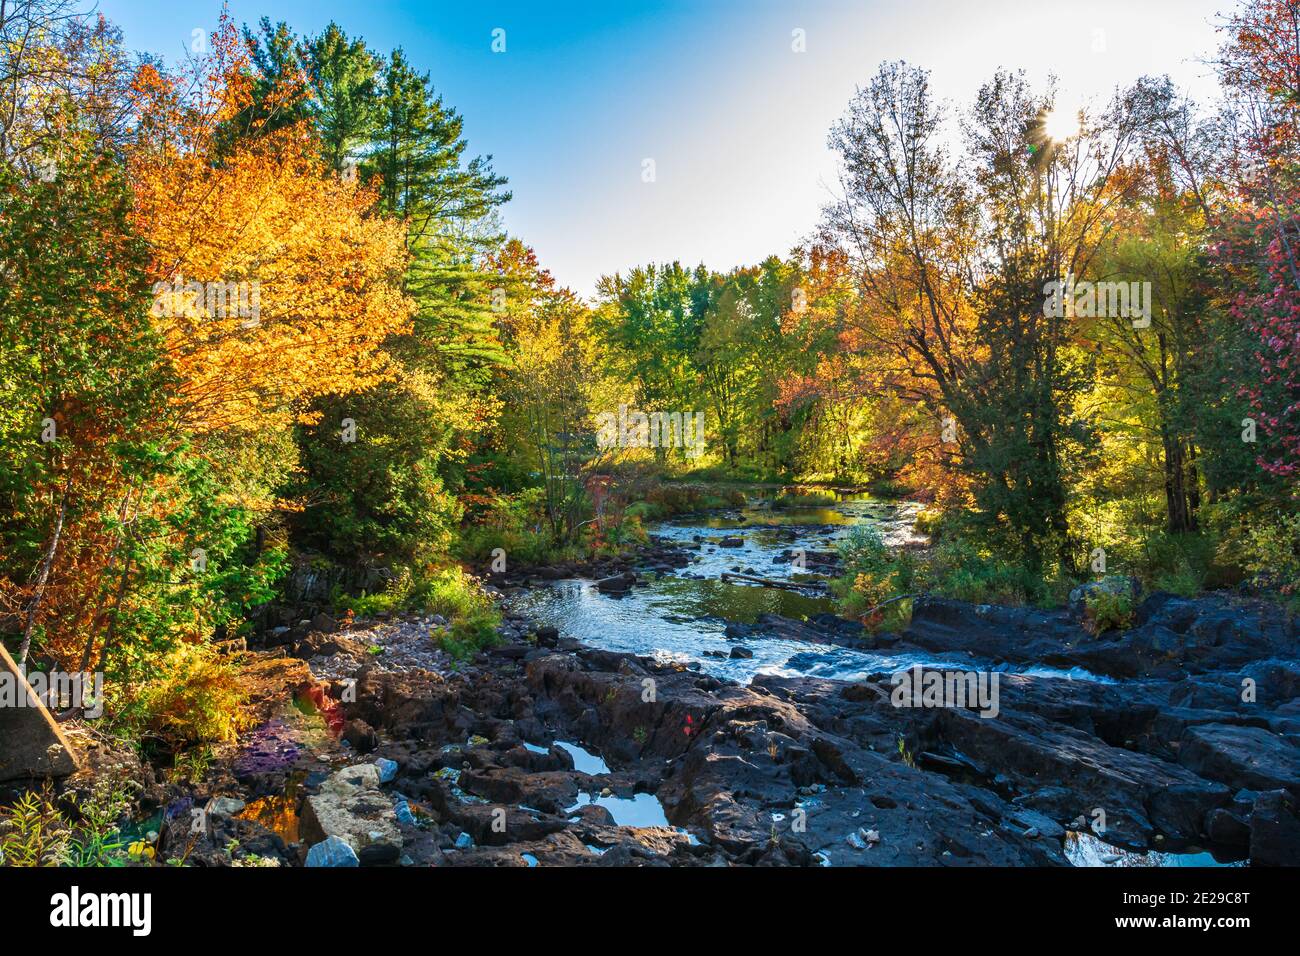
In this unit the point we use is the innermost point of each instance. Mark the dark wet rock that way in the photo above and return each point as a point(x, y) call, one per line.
point(379, 854)
point(323, 623)
point(817, 562)
point(1275, 830)
point(731, 541)
point(616, 584)
point(741, 652)
point(361, 736)
point(1171, 638)
point(1241, 757)
point(1228, 829)
point(819, 629)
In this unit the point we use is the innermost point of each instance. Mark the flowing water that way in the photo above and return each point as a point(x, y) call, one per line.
point(682, 616)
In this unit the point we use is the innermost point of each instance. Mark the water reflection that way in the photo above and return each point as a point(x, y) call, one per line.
point(1084, 849)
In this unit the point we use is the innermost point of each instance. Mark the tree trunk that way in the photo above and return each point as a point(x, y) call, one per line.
point(41, 580)
point(1177, 498)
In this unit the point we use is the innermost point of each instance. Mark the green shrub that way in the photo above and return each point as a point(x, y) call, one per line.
point(804, 499)
point(675, 498)
point(35, 832)
point(1108, 610)
point(965, 571)
point(195, 696)
point(450, 592)
point(928, 522)
point(32, 832)
point(1180, 563)
point(628, 531)
point(888, 487)
point(1183, 581)
point(645, 511)
point(470, 634)
point(1273, 552)
point(874, 574)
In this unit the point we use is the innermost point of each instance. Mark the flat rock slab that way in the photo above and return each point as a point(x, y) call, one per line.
point(31, 744)
point(1249, 757)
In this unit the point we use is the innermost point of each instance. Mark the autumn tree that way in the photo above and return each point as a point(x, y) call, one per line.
point(953, 260)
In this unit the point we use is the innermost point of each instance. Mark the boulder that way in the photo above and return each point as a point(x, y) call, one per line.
point(1275, 830)
point(361, 736)
point(323, 623)
point(225, 806)
point(1227, 829)
point(379, 854)
point(616, 584)
point(351, 806)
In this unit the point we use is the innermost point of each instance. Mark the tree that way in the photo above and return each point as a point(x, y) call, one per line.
point(316, 275)
point(953, 260)
point(1259, 237)
point(545, 387)
point(344, 83)
point(419, 159)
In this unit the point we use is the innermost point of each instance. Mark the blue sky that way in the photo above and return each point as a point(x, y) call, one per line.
point(734, 119)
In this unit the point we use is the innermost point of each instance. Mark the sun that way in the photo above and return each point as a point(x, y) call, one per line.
point(1060, 125)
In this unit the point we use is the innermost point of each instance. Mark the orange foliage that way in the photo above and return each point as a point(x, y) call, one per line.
point(318, 275)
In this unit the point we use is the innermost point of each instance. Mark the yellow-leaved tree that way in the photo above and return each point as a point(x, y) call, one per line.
point(276, 282)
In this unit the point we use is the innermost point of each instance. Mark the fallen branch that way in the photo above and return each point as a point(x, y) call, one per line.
point(769, 583)
point(892, 600)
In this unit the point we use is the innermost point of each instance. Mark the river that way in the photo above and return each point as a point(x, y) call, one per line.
point(683, 616)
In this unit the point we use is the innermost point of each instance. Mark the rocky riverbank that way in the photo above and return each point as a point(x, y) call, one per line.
point(1177, 735)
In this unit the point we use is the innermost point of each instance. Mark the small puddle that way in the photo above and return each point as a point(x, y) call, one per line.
point(1084, 849)
point(584, 761)
point(639, 810)
point(279, 812)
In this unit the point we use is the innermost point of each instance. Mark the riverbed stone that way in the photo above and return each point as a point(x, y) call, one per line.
point(1275, 830)
point(332, 852)
point(1166, 749)
point(351, 806)
point(1240, 756)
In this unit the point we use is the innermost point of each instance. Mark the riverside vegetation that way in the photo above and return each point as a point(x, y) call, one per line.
point(402, 404)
